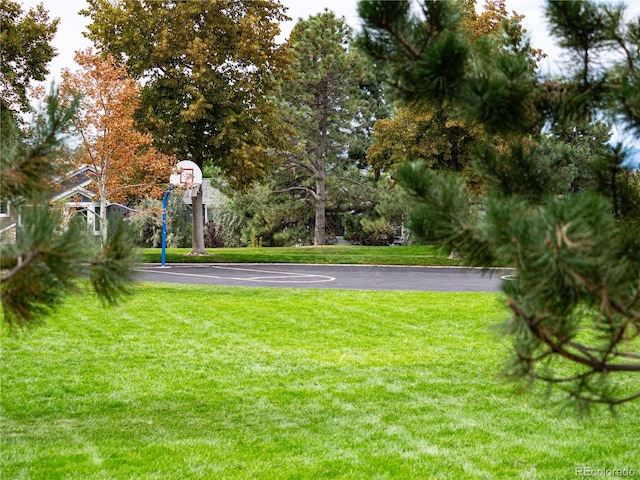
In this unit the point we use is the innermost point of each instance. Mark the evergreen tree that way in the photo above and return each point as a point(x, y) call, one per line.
point(46, 258)
point(438, 135)
point(319, 98)
point(567, 228)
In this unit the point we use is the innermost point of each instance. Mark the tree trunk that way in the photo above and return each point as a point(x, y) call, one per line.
point(102, 191)
point(197, 242)
point(455, 254)
point(320, 228)
point(103, 220)
point(320, 168)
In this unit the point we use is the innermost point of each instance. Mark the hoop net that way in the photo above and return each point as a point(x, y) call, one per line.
point(187, 175)
point(187, 178)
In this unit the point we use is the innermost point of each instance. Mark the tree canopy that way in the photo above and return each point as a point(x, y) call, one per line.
point(25, 45)
point(444, 137)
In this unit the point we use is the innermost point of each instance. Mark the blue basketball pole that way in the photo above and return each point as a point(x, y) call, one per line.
point(165, 202)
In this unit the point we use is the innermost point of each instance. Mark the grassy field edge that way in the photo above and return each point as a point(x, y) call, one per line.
point(396, 255)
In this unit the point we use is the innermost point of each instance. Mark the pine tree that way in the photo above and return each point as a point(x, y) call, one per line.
point(319, 97)
point(571, 233)
point(46, 259)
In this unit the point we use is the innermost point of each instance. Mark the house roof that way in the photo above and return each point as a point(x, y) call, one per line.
point(78, 182)
point(210, 194)
point(68, 184)
point(85, 194)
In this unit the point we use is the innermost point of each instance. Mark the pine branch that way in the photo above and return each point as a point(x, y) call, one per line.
point(355, 182)
point(587, 359)
point(21, 264)
point(307, 190)
point(604, 400)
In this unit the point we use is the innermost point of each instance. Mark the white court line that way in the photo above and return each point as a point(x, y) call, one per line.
point(283, 276)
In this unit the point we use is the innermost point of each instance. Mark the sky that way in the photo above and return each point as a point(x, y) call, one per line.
point(69, 37)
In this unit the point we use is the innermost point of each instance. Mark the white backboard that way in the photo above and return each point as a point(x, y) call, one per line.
point(186, 174)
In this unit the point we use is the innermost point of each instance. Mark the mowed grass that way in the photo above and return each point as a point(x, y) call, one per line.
point(334, 254)
point(205, 382)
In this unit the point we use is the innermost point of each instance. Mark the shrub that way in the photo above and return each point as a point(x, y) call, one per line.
point(212, 235)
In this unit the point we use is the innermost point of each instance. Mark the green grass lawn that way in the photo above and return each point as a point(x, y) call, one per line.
point(408, 255)
point(197, 382)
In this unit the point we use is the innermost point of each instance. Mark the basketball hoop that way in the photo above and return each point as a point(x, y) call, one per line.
point(186, 174)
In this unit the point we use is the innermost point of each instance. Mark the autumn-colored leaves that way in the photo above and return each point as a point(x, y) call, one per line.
point(128, 167)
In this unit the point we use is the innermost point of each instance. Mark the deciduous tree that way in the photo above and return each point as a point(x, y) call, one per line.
point(127, 166)
point(421, 131)
point(25, 45)
point(207, 70)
